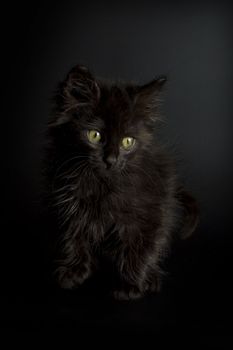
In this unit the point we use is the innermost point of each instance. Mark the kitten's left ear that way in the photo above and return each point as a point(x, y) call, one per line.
point(79, 91)
point(80, 85)
point(148, 96)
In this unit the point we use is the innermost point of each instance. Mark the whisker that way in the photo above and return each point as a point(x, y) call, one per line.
point(127, 175)
point(68, 176)
point(69, 160)
point(148, 175)
point(67, 171)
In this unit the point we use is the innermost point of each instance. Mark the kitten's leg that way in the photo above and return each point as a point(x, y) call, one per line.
point(134, 284)
point(74, 267)
point(139, 272)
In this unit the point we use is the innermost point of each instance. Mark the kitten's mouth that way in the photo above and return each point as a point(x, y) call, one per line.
point(116, 167)
point(109, 167)
point(109, 171)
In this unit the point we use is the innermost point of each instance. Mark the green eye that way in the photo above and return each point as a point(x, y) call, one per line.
point(93, 136)
point(128, 142)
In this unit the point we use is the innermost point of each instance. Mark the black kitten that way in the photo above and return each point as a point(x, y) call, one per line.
point(115, 191)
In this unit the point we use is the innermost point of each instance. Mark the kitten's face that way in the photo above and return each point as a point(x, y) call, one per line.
point(111, 125)
point(114, 134)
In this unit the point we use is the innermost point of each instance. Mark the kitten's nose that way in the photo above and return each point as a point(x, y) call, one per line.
point(110, 160)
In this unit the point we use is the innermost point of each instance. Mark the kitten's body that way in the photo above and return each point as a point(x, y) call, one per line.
point(119, 206)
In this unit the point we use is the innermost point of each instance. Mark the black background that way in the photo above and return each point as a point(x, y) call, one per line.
point(192, 43)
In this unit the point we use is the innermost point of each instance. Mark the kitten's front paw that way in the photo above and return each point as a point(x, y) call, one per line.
point(154, 286)
point(131, 293)
point(71, 278)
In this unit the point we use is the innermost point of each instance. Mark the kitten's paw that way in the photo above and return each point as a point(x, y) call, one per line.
point(71, 278)
point(154, 286)
point(132, 293)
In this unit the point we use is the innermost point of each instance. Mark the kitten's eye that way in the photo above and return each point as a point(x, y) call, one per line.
point(93, 136)
point(128, 142)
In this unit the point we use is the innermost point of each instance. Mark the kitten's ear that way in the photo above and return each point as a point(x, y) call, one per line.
point(78, 92)
point(148, 97)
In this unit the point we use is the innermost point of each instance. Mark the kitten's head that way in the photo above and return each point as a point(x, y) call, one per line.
point(109, 124)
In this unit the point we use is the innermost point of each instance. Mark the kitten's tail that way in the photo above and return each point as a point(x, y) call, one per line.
point(190, 213)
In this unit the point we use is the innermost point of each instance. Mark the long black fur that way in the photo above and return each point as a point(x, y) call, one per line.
point(125, 213)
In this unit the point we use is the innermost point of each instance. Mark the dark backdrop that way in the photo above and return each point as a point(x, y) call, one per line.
point(191, 42)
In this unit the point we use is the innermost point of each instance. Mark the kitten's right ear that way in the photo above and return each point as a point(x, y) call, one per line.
point(147, 98)
point(78, 92)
